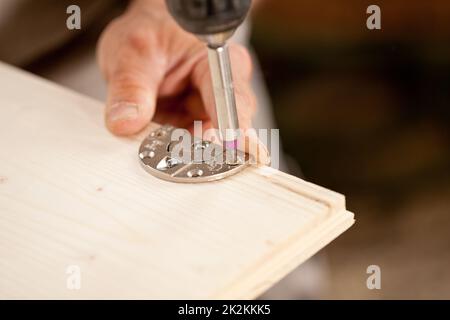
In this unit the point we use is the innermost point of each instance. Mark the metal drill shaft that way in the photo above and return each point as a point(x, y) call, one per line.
point(222, 81)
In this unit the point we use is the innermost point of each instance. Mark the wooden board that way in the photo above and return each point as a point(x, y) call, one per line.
point(72, 194)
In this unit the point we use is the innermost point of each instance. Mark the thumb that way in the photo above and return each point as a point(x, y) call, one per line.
point(131, 101)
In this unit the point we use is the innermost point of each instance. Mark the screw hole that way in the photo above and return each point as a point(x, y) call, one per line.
point(147, 154)
point(194, 173)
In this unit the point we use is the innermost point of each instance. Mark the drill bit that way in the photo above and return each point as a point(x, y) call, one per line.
point(227, 118)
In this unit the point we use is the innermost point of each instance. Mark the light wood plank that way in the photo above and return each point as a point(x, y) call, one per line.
point(73, 194)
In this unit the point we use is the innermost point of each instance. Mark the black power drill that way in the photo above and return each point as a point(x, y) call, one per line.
point(214, 21)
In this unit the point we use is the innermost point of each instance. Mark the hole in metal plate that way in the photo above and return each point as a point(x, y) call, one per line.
point(195, 173)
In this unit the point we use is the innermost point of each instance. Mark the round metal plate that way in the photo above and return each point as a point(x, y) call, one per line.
point(156, 156)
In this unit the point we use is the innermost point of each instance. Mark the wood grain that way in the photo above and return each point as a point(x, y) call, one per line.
point(73, 194)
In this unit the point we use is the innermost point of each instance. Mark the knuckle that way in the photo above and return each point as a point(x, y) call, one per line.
point(127, 43)
point(140, 41)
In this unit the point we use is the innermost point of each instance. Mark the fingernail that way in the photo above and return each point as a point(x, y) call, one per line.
point(122, 111)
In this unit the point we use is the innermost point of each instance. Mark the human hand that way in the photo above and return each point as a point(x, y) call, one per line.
point(150, 61)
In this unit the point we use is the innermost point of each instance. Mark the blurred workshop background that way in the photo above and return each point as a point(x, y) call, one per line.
point(367, 113)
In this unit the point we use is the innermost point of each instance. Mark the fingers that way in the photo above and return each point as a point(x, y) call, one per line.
point(254, 147)
point(131, 100)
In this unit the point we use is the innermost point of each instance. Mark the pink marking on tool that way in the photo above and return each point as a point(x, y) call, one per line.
point(231, 144)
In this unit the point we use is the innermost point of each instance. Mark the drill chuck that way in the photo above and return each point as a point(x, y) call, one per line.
point(208, 17)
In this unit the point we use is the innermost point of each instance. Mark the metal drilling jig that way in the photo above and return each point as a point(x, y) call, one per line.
point(202, 161)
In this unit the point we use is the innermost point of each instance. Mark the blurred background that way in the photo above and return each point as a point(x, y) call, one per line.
point(365, 113)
